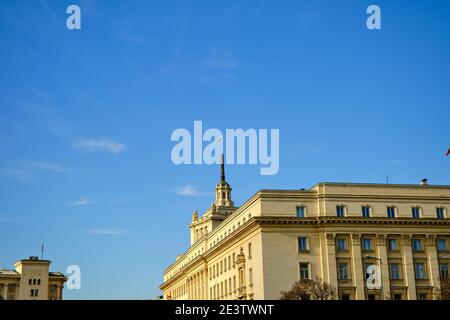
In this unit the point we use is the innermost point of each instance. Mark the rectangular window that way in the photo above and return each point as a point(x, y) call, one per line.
point(393, 244)
point(367, 244)
point(340, 211)
point(440, 213)
point(443, 270)
point(366, 211)
point(241, 277)
point(250, 250)
point(420, 271)
point(394, 270)
point(391, 212)
point(304, 271)
point(301, 212)
point(415, 211)
point(343, 271)
point(417, 245)
point(422, 296)
point(371, 296)
point(303, 244)
point(442, 245)
point(250, 276)
point(341, 244)
point(345, 296)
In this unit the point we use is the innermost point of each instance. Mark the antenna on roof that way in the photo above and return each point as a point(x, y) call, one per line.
point(42, 251)
point(387, 179)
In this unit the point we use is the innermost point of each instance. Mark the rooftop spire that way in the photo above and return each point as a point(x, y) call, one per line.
point(223, 189)
point(222, 169)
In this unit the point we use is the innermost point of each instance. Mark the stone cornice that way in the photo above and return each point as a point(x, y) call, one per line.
point(9, 276)
point(379, 185)
point(324, 221)
point(383, 197)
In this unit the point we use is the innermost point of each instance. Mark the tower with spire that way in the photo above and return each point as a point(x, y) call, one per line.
point(219, 210)
point(223, 189)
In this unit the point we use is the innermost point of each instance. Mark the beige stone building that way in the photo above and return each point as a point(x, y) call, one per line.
point(31, 280)
point(333, 231)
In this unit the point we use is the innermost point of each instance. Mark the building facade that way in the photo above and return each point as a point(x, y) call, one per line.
point(31, 280)
point(339, 232)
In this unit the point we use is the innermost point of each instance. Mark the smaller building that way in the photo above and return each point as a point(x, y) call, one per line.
point(31, 280)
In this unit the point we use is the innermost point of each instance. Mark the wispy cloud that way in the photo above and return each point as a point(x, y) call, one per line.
point(46, 166)
point(40, 93)
point(107, 145)
point(24, 171)
point(108, 232)
point(189, 191)
point(16, 174)
point(82, 202)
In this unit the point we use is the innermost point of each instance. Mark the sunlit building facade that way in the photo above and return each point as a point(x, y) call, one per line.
point(31, 280)
point(331, 231)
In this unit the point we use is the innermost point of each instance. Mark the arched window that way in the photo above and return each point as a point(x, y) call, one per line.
point(39, 282)
point(29, 281)
point(34, 281)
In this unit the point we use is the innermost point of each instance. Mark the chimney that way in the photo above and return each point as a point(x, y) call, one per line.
point(424, 182)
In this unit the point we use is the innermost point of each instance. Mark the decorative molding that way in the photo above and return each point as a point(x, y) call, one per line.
point(381, 239)
point(329, 220)
point(406, 239)
point(330, 238)
point(356, 238)
point(431, 239)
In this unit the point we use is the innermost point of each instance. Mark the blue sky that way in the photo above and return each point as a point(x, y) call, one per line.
point(86, 117)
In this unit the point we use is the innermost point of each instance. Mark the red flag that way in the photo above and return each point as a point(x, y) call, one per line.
point(448, 152)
